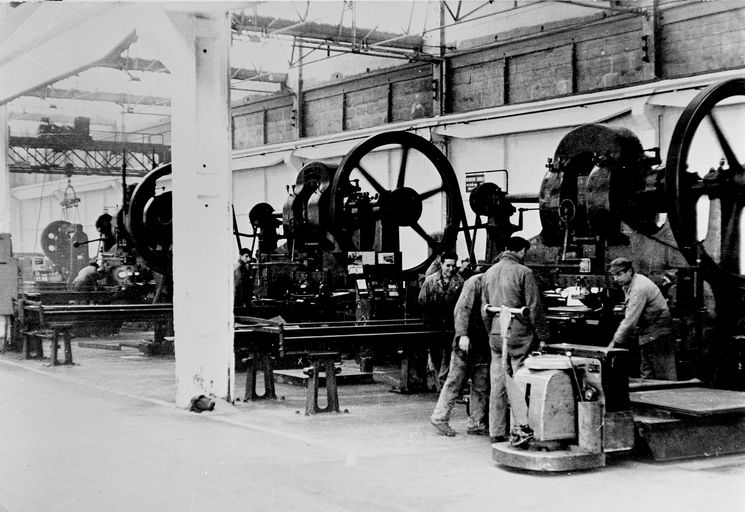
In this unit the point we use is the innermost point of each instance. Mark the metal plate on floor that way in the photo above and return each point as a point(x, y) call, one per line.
point(692, 401)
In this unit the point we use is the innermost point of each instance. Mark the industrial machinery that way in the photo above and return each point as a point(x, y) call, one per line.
point(353, 240)
point(136, 257)
point(357, 236)
point(603, 197)
point(64, 243)
point(78, 132)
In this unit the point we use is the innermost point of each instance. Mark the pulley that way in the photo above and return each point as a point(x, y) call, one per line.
point(489, 200)
point(149, 221)
point(363, 194)
point(56, 242)
point(705, 196)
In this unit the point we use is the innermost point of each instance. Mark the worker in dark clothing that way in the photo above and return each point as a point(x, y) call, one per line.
point(437, 298)
point(88, 278)
point(242, 284)
point(510, 283)
point(106, 232)
point(646, 321)
point(470, 355)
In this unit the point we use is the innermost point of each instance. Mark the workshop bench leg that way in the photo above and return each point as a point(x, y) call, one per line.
point(322, 362)
point(413, 375)
point(66, 341)
point(255, 362)
point(32, 342)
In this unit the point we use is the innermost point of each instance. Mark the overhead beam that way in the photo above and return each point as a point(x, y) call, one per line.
point(155, 66)
point(58, 116)
point(111, 172)
point(49, 92)
point(268, 25)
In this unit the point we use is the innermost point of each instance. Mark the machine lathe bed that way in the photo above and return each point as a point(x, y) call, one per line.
point(65, 315)
point(303, 336)
point(37, 318)
point(281, 339)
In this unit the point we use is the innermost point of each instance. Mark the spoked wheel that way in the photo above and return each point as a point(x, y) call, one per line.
point(149, 221)
point(55, 242)
point(407, 188)
point(705, 202)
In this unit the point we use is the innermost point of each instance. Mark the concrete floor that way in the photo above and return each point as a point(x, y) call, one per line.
point(105, 435)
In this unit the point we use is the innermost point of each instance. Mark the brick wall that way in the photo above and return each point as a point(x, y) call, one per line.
point(609, 62)
point(366, 107)
point(323, 115)
point(248, 130)
point(702, 37)
point(541, 74)
point(526, 64)
point(267, 121)
point(474, 85)
point(280, 126)
point(369, 100)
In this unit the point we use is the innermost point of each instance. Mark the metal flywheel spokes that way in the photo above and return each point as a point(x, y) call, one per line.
point(408, 188)
point(705, 182)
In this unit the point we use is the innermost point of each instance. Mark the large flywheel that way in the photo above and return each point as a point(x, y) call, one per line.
point(55, 242)
point(705, 183)
point(149, 221)
point(396, 192)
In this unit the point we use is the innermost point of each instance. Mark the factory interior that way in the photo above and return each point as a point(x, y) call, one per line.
point(221, 222)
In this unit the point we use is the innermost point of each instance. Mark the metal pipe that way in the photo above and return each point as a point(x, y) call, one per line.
point(523, 198)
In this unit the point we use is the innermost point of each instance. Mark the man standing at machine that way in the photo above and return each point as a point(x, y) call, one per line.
point(646, 310)
point(437, 297)
point(470, 355)
point(512, 284)
point(242, 285)
point(106, 232)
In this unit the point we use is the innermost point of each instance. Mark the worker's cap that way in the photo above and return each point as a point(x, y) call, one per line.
point(619, 265)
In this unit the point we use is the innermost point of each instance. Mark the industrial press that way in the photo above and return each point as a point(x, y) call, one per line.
point(346, 274)
point(602, 197)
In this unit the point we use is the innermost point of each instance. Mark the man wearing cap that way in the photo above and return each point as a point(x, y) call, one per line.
point(470, 356)
point(510, 283)
point(646, 310)
point(437, 298)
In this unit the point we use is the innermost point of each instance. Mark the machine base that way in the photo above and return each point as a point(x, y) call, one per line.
point(559, 460)
point(690, 422)
point(676, 438)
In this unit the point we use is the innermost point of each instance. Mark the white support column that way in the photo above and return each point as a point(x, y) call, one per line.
point(5, 199)
point(197, 56)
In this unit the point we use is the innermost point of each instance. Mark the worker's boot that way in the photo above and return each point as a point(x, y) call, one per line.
point(444, 429)
point(521, 436)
